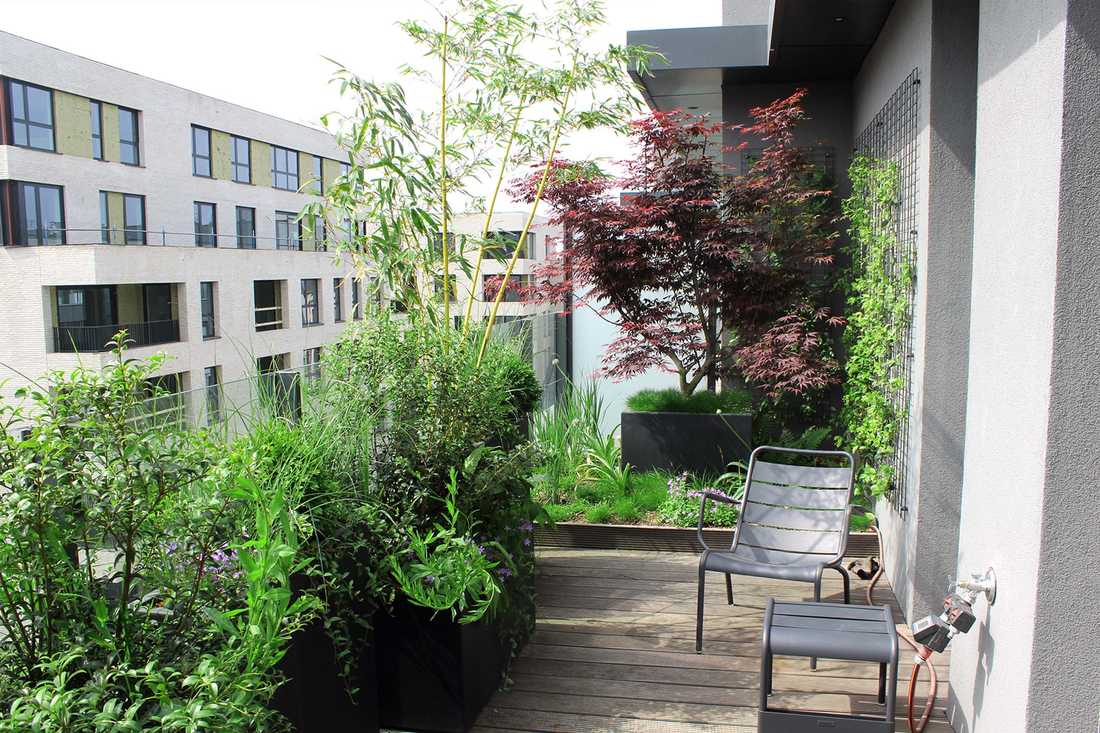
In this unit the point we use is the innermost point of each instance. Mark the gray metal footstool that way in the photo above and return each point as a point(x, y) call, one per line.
point(833, 631)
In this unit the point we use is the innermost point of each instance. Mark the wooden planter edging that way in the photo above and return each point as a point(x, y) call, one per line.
point(663, 539)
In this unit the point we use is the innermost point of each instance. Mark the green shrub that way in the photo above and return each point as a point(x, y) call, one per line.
point(650, 490)
point(625, 510)
point(566, 512)
point(598, 513)
point(562, 434)
point(681, 506)
point(702, 401)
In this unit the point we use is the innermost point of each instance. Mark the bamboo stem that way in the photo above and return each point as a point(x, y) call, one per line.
point(443, 179)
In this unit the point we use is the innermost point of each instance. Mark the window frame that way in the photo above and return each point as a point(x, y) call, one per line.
point(288, 154)
point(356, 299)
point(307, 307)
point(235, 164)
point(207, 312)
point(26, 120)
point(202, 239)
point(213, 388)
point(196, 157)
point(18, 219)
point(311, 363)
point(246, 241)
point(135, 143)
point(293, 229)
point(95, 115)
point(338, 299)
point(319, 175)
point(104, 217)
point(126, 227)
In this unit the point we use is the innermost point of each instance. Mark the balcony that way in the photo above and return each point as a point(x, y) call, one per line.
point(74, 338)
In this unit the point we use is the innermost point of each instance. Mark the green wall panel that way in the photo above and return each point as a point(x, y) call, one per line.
point(261, 163)
point(72, 124)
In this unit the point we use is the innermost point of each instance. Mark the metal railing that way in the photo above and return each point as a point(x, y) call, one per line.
point(269, 318)
point(132, 237)
point(98, 337)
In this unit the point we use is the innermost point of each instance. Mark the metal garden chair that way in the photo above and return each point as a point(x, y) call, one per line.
point(792, 525)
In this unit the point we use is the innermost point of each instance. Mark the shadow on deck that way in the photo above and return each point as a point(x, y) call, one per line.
point(614, 650)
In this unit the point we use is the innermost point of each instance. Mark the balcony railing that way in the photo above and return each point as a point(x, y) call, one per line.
point(132, 237)
point(97, 338)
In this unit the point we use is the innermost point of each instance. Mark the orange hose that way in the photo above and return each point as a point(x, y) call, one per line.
point(933, 680)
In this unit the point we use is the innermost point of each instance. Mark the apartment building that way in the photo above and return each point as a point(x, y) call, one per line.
point(130, 203)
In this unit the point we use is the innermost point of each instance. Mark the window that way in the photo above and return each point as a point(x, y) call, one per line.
point(506, 243)
point(345, 168)
point(95, 109)
point(286, 231)
point(212, 381)
point(242, 160)
point(246, 227)
point(200, 152)
point(311, 361)
point(490, 287)
point(31, 115)
point(452, 287)
point(338, 299)
point(104, 218)
point(206, 309)
point(128, 136)
point(318, 175)
point(284, 168)
point(206, 224)
point(311, 304)
point(356, 300)
point(133, 218)
point(39, 216)
point(268, 297)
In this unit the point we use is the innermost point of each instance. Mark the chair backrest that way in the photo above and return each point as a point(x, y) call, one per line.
point(791, 512)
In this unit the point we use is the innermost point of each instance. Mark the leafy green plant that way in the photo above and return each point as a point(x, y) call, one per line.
point(598, 513)
point(562, 434)
point(879, 293)
point(681, 507)
point(603, 465)
point(703, 401)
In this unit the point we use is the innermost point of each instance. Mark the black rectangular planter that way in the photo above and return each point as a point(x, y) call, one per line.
point(435, 675)
point(315, 698)
point(683, 441)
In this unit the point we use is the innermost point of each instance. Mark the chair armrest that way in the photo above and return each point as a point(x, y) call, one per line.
point(708, 494)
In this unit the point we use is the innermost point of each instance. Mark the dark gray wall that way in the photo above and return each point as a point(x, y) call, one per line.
point(1065, 674)
point(953, 80)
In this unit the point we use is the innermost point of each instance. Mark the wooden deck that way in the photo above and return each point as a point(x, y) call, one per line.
point(614, 651)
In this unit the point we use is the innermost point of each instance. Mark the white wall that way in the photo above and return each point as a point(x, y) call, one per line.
point(1016, 205)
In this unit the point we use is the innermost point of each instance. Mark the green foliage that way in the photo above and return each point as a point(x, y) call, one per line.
point(704, 401)
point(598, 513)
point(563, 433)
point(681, 507)
point(878, 316)
point(603, 466)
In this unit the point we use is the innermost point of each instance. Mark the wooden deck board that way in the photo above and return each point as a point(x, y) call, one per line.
point(614, 650)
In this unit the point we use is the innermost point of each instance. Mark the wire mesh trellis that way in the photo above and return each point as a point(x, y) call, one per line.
point(893, 136)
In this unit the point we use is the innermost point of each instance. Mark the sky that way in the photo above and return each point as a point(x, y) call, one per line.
point(270, 55)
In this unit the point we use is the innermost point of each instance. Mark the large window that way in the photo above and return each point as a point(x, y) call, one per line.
point(206, 309)
point(104, 218)
point(286, 231)
point(200, 152)
point(311, 302)
point(31, 115)
point(268, 298)
point(133, 215)
point(311, 361)
point(507, 242)
point(95, 111)
point(284, 168)
point(212, 381)
point(338, 299)
point(40, 214)
point(246, 227)
point(318, 175)
point(206, 224)
point(356, 299)
point(242, 160)
point(128, 137)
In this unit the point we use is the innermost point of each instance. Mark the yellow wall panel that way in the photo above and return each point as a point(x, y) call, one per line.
point(221, 150)
point(130, 304)
point(330, 170)
point(261, 163)
point(110, 132)
point(72, 124)
point(115, 217)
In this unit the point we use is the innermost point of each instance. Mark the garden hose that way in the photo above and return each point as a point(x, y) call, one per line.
point(922, 652)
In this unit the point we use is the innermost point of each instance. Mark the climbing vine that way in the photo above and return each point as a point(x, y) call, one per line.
point(878, 298)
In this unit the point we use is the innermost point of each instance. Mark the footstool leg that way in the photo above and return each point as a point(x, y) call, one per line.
point(699, 609)
point(817, 599)
point(729, 589)
point(882, 683)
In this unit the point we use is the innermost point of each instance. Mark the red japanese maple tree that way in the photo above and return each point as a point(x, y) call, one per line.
point(703, 274)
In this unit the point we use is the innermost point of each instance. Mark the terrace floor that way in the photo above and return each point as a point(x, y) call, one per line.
point(614, 650)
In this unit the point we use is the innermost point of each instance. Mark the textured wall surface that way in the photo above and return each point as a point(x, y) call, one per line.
point(1018, 152)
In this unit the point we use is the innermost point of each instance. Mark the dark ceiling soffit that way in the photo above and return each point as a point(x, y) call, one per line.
point(714, 47)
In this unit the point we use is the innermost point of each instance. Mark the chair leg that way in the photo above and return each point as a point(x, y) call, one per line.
point(847, 583)
point(882, 684)
point(817, 599)
point(729, 589)
point(699, 609)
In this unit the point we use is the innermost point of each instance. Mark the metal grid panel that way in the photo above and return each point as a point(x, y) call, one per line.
point(893, 135)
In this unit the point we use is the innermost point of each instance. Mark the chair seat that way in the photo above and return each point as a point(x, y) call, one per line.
point(728, 562)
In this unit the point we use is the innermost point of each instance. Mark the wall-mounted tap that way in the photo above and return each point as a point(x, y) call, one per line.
point(979, 584)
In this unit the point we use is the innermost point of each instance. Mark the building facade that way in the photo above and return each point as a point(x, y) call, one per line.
point(990, 111)
point(129, 203)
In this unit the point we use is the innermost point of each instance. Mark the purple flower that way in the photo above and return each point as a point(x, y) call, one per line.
point(526, 541)
point(527, 527)
point(429, 580)
point(503, 573)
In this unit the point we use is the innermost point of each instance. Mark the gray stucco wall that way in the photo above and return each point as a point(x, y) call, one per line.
point(1065, 651)
point(1021, 50)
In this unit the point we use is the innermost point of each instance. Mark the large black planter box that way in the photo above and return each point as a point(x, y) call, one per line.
point(682, 441)
point(434, 674)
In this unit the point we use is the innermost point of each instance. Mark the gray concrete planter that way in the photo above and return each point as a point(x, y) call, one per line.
point(683, 441)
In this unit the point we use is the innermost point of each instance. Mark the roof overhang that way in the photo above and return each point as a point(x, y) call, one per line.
point(823, 40)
